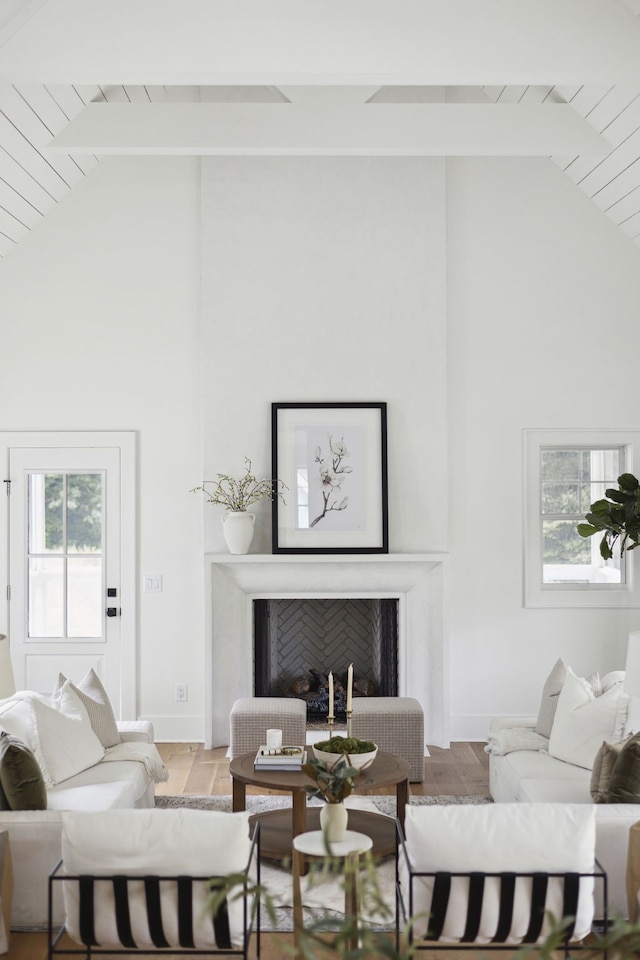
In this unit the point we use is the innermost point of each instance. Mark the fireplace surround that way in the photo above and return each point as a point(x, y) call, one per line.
point(417, 581)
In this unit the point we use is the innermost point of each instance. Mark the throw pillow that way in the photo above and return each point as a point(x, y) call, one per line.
point(624, 785)
point(603, 768)
point(66, 736)
point(583, 721)
point(96, 701)
point(550, 693)
point(20, 776)
point(18, 719)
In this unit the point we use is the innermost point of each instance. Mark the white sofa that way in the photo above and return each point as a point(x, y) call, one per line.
point(533, 776)
point(124, 777)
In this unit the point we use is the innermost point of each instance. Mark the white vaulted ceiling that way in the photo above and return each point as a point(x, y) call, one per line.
point(138, 60)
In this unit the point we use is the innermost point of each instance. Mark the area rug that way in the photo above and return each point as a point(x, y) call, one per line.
point(323, 897)
point(263, 802)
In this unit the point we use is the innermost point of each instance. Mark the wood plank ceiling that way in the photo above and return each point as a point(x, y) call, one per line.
point(612, 181)
point(33, 182)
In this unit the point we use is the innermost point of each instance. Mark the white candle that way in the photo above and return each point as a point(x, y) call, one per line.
point(274, 739)
point(349, 687)
point(331, 713)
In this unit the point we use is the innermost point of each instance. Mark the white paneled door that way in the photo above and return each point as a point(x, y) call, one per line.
point(69, 600)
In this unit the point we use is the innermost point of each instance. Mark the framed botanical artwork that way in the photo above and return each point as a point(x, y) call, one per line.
point(333, 459)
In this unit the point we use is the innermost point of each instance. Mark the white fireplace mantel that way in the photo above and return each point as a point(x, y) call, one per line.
point(418, 581)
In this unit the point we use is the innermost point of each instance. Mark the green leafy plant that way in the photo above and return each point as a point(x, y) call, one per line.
point(617, 517)
point(346, 745)
point(238, 494)
point(334, 782)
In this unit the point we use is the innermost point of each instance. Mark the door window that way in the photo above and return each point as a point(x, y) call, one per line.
point(66, 550)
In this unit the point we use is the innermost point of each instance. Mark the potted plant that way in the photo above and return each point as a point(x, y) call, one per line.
point(616, 517)
point(236, 495)
point(334, 783)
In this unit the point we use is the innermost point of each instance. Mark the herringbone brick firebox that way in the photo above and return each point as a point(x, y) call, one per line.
point(300, 639)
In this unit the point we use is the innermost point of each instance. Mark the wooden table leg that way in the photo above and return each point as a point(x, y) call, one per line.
point(239, 801)
point(351, 897)
point(6, 890)
point(299, 812)
point(297, 859)
point(402, 799)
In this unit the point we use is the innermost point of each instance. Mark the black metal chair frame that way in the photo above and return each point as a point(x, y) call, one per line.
point(442, 883)
point(184, 886)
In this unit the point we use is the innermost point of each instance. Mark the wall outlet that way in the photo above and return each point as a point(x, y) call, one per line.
point(182, 692)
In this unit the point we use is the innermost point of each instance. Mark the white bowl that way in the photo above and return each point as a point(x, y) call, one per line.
point(358, 760)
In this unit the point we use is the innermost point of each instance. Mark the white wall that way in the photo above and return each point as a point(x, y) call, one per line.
point(324, 279)
point(537, 279)
point(99, 323)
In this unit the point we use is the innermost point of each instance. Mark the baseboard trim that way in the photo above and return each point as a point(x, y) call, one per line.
point(470, 727)
point(177, 729)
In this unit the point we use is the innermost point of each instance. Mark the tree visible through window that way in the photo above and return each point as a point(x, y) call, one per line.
point(571, 480)
point(84, 511)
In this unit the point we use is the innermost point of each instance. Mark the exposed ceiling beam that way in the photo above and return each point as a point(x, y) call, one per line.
point(415, 129)
point(300, 42)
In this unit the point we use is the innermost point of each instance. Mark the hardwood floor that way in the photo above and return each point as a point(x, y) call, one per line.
point(461, 770)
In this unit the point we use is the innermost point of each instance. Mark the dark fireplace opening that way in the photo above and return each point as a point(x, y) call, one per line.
point(298, 641)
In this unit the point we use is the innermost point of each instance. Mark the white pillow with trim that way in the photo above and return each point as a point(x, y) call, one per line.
point(583, 720)
point(66, 736)
point(95, 698)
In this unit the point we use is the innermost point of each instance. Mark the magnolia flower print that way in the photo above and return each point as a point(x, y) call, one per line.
point(333, 472)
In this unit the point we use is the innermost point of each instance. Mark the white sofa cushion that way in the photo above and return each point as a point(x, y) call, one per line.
point(583, 720)
point(544, 837)
point(66, 736)
point(96, 701)
point(153, 842)
point(549, 700)
point(17, 718)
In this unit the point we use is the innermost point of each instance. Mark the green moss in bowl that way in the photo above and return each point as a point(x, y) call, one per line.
point(360, 752)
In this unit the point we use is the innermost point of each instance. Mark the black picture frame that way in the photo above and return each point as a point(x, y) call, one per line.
point(332, 457)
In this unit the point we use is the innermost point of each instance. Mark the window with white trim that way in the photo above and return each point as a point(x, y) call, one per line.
point(565, 472)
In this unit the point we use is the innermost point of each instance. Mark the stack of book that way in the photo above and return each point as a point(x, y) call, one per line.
point(286, 758)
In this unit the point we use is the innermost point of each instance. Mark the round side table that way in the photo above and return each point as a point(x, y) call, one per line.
point(312, 846)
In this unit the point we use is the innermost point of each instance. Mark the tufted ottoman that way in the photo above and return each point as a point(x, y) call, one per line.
point(396, 724)
point(251, 717)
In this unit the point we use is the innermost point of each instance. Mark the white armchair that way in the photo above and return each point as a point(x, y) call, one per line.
point(498, 874)
point(136, 881)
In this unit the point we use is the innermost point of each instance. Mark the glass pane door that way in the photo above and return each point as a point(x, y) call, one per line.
point(65, 582)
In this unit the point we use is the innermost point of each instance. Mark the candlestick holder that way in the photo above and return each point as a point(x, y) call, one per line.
point(330, 721)
point(349, 712)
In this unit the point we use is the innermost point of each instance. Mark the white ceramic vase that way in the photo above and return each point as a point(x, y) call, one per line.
point(238, 530)
point(333, 820)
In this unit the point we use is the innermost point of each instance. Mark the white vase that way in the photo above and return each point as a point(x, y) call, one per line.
point(238, 530)
point(333, 820)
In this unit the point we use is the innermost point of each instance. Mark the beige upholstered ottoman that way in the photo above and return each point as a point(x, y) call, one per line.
point(396, 724)
point(251, 717)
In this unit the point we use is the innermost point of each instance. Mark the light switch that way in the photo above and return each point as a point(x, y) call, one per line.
point(153, 583)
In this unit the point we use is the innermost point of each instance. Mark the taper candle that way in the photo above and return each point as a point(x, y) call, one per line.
point(349, 687)
point(331, 713)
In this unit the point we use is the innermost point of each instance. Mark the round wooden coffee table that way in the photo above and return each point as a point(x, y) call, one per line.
point(278, 827)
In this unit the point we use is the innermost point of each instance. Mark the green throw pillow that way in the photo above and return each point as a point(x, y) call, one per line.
point(624, 785)
point(21, 778)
